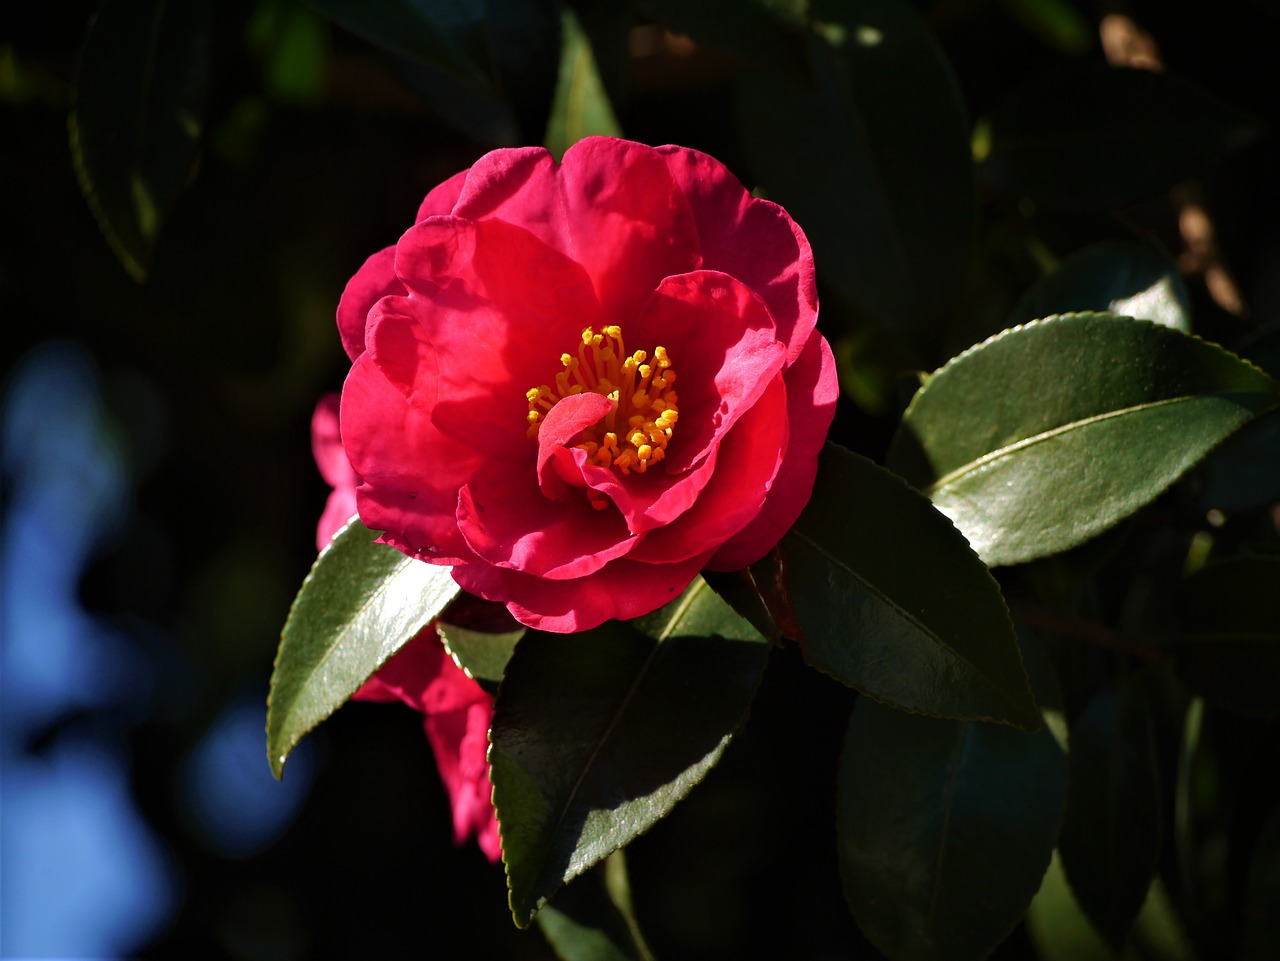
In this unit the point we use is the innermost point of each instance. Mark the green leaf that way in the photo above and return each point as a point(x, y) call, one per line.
point(1229, 648)
point(140, 88)
point(593, 920)
point(1056, 22)
point(360, 604)
point(891, 601)
point(872, 159)
point(580, 106)
point(444, 34)
point(752, 31)
point(1092, 137)
point(1111, 834)
point(945, 829)
point(1048, 434)
point(1122, 277)
point(481, 654)
point(597, 735)
point(1261, 928)
point(1244, 472)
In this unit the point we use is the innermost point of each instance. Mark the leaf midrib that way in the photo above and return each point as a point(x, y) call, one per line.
point(621, 709)
point(973, 466)
point(906, 615)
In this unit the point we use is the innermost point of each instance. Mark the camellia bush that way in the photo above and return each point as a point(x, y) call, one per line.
point(765, 334)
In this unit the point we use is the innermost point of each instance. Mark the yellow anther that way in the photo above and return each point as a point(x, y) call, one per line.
point(644, 406)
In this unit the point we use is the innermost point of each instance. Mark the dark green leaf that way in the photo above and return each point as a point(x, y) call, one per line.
point(1111, 834)
point(891, 600)
point(1245, 471)
point(596, 735)
point(945, 829)
point(1048, 434)
point(1056, 22)
point(1092, 137)
point(360, 604)
point(1122, 277)
point(753, 31)
point(592, 920)
point(445, 34)
point(874, 162)
point(1261, 931)
point(580, 107)
point(1229, 648)
point(481, 654)
point(140, 89)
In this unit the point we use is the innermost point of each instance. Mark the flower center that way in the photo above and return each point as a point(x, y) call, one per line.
point(635, 433)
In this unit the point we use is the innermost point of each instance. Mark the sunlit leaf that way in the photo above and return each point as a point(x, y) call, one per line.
point(1047, 434)
point(1111, 834)
point(891, 601)
point(580, 107)
point(1094, 137)
point(481, 654)
point(597, 735)
point(360, 604)
point(872, 157)
point(945, 829)
point(138, 115)
point(593, 920)
point(1121, 277)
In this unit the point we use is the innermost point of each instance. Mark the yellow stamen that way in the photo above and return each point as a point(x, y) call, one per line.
point(635, 433)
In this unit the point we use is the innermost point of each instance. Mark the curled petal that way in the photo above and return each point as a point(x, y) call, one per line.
point(375, 279)
point(812, 389)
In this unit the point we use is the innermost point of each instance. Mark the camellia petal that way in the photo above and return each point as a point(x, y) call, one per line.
point(373, 281)
point(751, 239)
point(812, 388)
point(580, 383)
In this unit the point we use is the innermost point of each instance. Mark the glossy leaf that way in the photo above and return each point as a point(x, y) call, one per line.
point(1111, 834)
point(1048, 434)
point(945, 829)
point(138, 116)
point(483, 655)
point(1092, 137)
point(890, 600)
point(873, 159)
point(1229, 648)
point(360, 604)
point(580, 107)
point(594, 919)
point(1122, 277)
point(596, 735)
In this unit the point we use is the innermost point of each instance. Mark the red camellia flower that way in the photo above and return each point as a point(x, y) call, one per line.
point(580, 384)
point(456, 710)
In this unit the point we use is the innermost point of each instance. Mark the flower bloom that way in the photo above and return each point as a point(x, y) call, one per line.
point(580, 384)
point(456, 710)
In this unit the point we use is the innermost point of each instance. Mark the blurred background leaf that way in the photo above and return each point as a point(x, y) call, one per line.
point(138, 117)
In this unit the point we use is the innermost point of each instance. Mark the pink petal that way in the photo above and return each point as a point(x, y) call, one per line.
point(722, 344)
point(508, 522)
point(375, 279)
point(326, 447)
point(611, 206)
point(812, 391)
point(622, 589)
point(751, 239)
point(501, 307)
point(750, 457)
point(441, 199)
point(412, 496)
